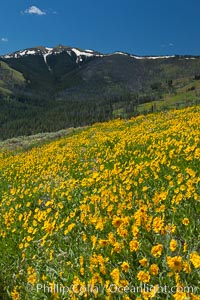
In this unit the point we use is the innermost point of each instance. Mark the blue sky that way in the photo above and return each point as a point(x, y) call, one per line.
point(143, 27)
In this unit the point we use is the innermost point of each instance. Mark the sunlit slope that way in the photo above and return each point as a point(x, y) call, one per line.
point(10, 79)
point(104, 211)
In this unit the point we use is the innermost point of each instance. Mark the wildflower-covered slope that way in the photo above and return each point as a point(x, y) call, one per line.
point(108, 209)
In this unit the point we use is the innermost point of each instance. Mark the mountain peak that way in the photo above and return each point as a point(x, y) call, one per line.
point(41, 50)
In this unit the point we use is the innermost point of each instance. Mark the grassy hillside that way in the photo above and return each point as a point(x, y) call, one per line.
point(24, 143)
point(9, 79)
point(109, 212)
point(17, 76)
point(182, 93)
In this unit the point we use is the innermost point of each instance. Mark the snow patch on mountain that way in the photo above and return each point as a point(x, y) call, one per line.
point(79, 53)
point(88, 50)
point(140, 57)
point(45, 60)
point(120, 53)
point(151, 57)
point(27, 52)
point(85, 53)
point(49, 49)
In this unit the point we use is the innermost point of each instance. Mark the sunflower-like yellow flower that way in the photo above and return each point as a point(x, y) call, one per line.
point(175, 263)
point(117, 222)
point(186, 267)
point(125, 266)
point(180, 296)
point(134, 245)
point(157, 250)
point(154, 269)
point(195, 259)
point(115, 274)
point(173, 245)
point(143, 276)
point(15, 294)
point(185, 221)
point(143, 262)
point(158, 224)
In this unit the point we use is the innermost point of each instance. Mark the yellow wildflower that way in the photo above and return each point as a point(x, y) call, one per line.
point(157, 250)
point(195, 259)
point(15, 294)
point(134, 245)
point(154, 269)
point(173, 245)
point(186, 221)
point(180, 296)
point(143, 262)
point(115, 274)
point(186, 267)
point(158, 224)
point(125, 266)
point(143, 276)
point(117, 222)
point(175, 263)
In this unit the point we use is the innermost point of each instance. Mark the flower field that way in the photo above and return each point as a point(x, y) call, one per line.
point(109, 212)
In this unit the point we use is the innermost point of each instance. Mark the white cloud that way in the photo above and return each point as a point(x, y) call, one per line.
point(3, 39)
point(34, 10)
point(167, 45)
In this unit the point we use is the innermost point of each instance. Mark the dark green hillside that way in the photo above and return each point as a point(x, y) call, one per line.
point(34, 70)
